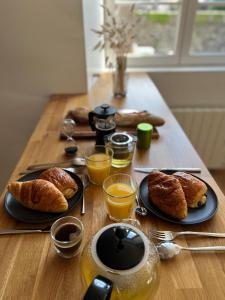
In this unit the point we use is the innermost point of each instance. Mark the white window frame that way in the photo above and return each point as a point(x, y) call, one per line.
point(181, 56)
point(198, 58)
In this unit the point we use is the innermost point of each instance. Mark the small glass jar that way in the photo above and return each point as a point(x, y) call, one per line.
point(144, 135)
point(123, 145)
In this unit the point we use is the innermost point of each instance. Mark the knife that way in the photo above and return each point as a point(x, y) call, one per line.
point(19, 231)
point(187, 170)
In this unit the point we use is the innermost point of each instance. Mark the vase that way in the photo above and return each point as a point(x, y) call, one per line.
point(120, 77)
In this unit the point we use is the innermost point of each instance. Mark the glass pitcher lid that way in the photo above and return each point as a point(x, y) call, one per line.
point(104, 111)
point(119, 247)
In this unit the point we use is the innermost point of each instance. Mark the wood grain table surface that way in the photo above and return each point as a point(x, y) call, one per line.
point(29, 267)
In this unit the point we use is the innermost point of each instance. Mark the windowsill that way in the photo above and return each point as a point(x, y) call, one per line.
point(179, 69)
point(170, 69)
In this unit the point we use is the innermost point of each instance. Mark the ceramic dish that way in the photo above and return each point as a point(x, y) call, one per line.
point(195, 215)
point(23, 214)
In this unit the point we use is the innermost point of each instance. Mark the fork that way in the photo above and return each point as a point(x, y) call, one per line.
point(171, 235)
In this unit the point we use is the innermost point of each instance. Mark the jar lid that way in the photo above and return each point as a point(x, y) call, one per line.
point(144, 127)
point(121, 138)
point(120, 247)
point(104, 111)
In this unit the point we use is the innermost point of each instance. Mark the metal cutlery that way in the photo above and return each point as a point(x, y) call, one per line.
point(171, 235)
point(85, 181)
point(76, 169)
point(19, 231)
point(140, 210)
point(77, 161)
point(187, 170)
point(169, 249)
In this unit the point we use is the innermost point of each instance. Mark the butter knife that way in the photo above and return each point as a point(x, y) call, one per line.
point(187, 170)
point(19, 231)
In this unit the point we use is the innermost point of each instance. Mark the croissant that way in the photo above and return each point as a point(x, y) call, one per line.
point(166, 193)
point(38, 195)
point(194, 189)
point(62, 180)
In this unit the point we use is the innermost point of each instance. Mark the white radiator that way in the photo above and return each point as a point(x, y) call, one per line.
point(205, 128)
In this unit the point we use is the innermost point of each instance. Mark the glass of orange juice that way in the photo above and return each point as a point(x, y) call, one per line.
point(120, 191)
point(98, 163)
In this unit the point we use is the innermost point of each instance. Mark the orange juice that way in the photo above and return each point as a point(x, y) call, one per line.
point(98, 166)
point(120, 200)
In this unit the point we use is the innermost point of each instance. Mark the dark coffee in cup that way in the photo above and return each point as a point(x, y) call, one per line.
point(67, 234)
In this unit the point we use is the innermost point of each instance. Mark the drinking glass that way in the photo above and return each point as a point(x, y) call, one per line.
point(120, 191)
point(67, 233)
point(98, 161)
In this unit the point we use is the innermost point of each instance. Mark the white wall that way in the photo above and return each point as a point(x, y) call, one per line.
point(191, 89)
point(41, 53)
point(198, 90)
point(93, 18)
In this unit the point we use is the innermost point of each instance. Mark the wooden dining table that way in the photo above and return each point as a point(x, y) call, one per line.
point(29, 266)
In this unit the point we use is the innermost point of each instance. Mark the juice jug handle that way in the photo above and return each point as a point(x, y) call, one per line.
point(100, 288)
point(91, 115)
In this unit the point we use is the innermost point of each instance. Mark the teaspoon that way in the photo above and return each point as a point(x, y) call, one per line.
point(140, 210)
point(85, 181)
point(168, 249)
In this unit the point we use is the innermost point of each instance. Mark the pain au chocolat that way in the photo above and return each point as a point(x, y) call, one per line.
point(38, 195)
point(62, 180)
point(194, 189)
point(166, 193)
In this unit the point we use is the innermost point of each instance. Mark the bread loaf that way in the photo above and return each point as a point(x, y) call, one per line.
point(80, 115)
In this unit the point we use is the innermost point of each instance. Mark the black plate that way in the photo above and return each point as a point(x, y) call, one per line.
point(21, 213)
point(195, 215)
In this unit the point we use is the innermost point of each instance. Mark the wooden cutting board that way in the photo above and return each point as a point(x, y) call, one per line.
point(83, 131)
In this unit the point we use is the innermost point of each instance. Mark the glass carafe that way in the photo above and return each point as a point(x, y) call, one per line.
point(101, 120)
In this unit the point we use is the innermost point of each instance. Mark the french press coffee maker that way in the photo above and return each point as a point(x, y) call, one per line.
point(102, 120)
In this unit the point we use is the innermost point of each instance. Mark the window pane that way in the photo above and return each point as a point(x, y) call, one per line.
point(158, 27)
point(209, 28)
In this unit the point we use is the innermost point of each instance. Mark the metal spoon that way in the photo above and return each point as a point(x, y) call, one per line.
point(76, 161)
point(140, 210)
point(85, 181)
point(168, 249)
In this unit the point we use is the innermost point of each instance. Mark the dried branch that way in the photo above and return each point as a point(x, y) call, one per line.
point(118, 34)
point(97, 45)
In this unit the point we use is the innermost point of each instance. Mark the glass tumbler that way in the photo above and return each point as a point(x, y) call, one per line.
point(120, 191)
point(67, 233)
point(98, 163)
